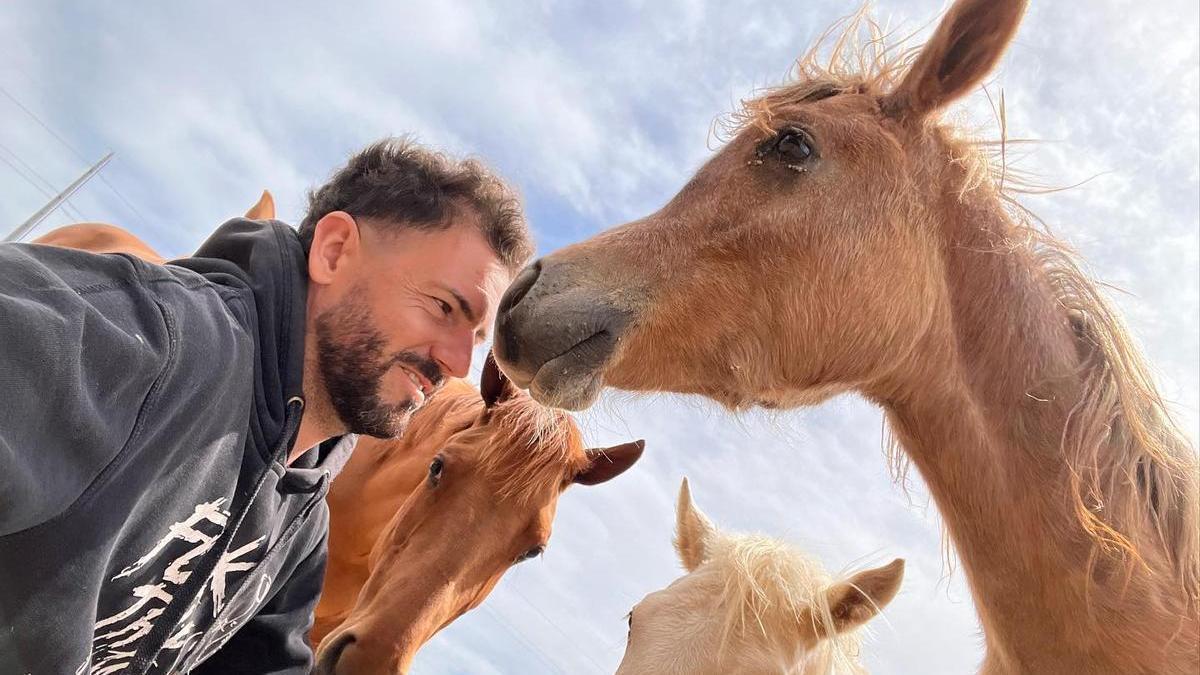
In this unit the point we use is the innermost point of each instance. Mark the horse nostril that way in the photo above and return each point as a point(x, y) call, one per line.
point(329, 656)
point(520, 286)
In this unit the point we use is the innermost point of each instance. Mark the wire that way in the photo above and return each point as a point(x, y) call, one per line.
point(78, 154)
point(67, 205)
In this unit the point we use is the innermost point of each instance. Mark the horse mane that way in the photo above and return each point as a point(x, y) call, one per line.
point(769, 588)
point(526, 447)
point(530, 448)
point(451, 409)
point(1129, 464)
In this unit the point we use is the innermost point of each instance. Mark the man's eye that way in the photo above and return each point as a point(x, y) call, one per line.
point(444, 306)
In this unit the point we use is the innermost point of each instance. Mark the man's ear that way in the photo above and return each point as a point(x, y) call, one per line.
point(336, 241)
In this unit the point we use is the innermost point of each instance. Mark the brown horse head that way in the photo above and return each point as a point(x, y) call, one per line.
point(825, 213)
point(846, 239)
point(485, 503)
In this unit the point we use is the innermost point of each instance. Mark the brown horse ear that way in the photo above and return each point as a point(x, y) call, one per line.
point(694, 532)
point(963, 50)
point(606, 464)
point(858, 599)
point(494, 386)
point(264, 209)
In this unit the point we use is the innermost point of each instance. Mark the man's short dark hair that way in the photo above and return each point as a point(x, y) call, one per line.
point(402, 185)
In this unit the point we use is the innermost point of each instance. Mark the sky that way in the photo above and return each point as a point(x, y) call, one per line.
point(598, 113)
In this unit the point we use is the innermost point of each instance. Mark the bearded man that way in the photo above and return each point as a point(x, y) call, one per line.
point(168, 432)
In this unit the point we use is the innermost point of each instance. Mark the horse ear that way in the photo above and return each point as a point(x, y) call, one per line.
point(605, 464)
point(264, 209)
point(963, 50)
point(494, 385)
point(694, 532)
point(856, 600)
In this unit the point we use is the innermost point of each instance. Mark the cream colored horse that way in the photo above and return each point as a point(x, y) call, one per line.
point(751, 605)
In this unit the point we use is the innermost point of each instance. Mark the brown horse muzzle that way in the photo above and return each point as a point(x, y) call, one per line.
point(556, 331)
point(330, 652)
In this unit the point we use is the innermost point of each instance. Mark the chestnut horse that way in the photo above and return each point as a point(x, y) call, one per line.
point(752, 604)
point(421, 528)
point(845, 239)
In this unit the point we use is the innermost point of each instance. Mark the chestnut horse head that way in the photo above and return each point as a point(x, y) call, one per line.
point(485, 502)
point(847, 239)
point(802, 260)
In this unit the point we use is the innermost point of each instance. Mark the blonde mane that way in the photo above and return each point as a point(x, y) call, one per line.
point(1128, 462)
point(769, 588)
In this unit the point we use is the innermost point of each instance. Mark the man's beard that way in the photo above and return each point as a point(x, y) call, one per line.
point(352, 365)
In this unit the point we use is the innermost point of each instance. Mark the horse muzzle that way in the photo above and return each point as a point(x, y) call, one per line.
point(557, 330)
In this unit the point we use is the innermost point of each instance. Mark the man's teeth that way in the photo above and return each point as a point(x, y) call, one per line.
point(416, 383)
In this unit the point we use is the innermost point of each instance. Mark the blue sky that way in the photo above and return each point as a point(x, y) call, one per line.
point(598, 112)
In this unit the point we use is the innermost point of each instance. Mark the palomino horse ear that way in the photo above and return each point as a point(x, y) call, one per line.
point(694, 532)
point(963, 50)
point(605, 464)
point(264, 209)
point(494, 384)
point(856, 600)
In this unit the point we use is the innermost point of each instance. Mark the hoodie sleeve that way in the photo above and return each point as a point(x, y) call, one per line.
point(83, 348)
point(276, 639)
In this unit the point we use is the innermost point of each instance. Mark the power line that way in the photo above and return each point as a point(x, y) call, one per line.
point(67, 206)
point(78, 154)
point(542, 656)
point(599, 668)
point(58, 199)
point(42, 124)
point(29, 180)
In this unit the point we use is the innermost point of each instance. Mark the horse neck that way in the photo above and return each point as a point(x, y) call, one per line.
point(982, 417)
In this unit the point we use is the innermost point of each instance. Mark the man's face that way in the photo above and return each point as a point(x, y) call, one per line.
point(400, 314)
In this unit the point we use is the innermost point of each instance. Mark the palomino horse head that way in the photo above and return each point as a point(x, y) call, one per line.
point(486, 503)
point(751, 605)
point(804, 259)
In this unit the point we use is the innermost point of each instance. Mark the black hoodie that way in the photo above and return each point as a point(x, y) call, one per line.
point(148, 523)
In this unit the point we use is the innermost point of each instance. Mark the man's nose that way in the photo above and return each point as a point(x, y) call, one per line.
point(454, 353)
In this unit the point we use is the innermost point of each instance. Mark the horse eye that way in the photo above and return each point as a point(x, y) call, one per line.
point(792, 144)
point(435, 471)
point(531, 553)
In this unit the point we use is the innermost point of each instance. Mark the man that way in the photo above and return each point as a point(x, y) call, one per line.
point(168, 433)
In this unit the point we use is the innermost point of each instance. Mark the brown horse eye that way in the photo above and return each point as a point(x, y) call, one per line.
point(531, 553)
point(794, 145)
point(791, 145)
point(435, 471)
